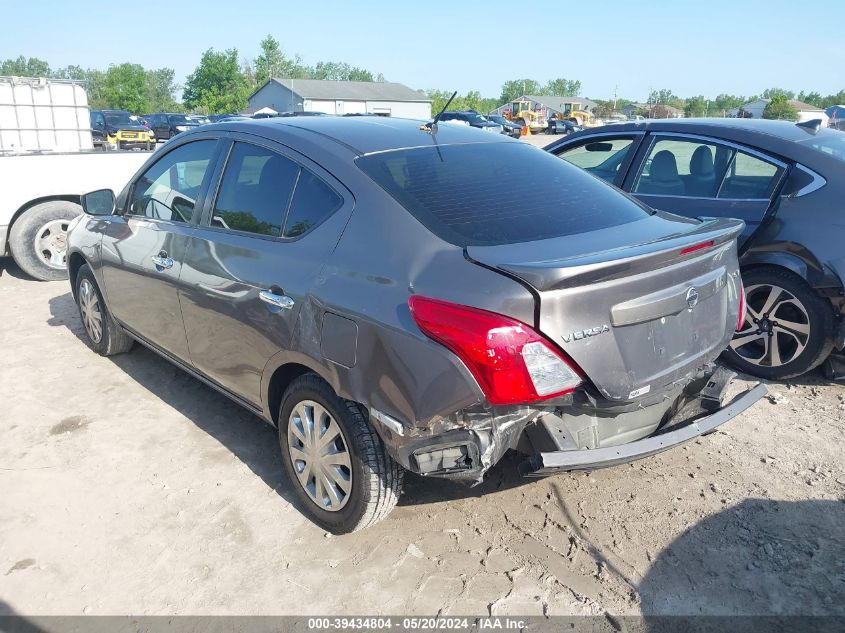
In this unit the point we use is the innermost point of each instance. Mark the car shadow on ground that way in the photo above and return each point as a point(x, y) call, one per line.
point(761, 557)
point(250, 439)
point(10, 268)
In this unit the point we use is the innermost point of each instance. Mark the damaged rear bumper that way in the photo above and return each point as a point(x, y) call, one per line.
point(546, 463)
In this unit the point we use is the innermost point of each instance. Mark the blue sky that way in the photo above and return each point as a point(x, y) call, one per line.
point(738, 47)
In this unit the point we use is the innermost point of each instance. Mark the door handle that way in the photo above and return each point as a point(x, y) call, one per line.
point(277, 300)
point(162, 260)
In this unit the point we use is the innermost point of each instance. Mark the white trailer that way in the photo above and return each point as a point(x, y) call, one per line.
point(46, 163)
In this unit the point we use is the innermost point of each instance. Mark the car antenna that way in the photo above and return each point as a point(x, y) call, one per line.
point(432, 127)
point(812, 125)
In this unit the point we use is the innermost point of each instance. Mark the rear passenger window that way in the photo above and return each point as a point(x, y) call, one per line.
point(683, 168)
point(749, 178)
point(255, 191)
point(313, 201)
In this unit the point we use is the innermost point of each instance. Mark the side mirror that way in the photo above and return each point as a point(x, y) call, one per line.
point(100, 202)
point(599, 147)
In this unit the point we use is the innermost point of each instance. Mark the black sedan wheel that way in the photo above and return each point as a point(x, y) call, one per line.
point(787, 329)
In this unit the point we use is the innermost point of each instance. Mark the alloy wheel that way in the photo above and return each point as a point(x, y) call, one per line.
point(320, 455)
point(89, 306)
point(776, 327)
point(51, 243)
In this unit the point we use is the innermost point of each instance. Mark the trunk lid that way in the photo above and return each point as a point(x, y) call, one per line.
point(629, 304)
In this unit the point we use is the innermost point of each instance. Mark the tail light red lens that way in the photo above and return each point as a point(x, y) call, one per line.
point(512, 363)
point(741, 318)
point(697, 247)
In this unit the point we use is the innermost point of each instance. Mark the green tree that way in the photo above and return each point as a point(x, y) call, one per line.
point(813, 98)
point(780, 108)
point(771, 93)
point(561, 87)
point(695, 106)
point(125, 88)
point(340, 71)
point(217, 85)
point(160, 87)
point(25, 67)
point(514, 88)
point(272, 62)
point(724, 102)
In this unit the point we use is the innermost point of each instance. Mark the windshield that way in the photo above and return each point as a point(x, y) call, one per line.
point(482, 194)
point(496, 118)
point(830, 142)
point(121, 118)
point(182, 119)
point(476, 118)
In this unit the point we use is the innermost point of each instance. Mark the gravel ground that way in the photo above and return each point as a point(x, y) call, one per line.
point(128, 487)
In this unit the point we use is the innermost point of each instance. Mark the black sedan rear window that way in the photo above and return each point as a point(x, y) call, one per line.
point(483, 194)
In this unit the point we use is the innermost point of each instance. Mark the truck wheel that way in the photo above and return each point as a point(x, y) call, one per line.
point(103, 334)
point(788, 328)
point(38, 239)
point(336, 463)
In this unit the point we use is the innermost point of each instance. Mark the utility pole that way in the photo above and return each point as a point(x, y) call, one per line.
point(615, 89)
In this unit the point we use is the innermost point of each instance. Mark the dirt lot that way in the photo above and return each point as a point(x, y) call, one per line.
point(128, 487)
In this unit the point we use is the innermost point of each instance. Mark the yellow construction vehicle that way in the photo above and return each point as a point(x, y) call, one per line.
point(521, 113)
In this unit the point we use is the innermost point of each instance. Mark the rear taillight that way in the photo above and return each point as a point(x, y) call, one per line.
point(512, 363)
point(696, 247)
point(741, 318)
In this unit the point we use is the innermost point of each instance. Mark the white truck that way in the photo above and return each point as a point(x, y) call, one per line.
point(47, 161)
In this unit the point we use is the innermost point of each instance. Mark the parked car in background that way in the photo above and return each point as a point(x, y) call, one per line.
point(562, 126)
point(785, 180)
point(508, 127)
point(318, 271)
point(200, 119)
point(118, 129)
point(167, 125)
point(473, 119)
point(290, 114)
point(229, 119)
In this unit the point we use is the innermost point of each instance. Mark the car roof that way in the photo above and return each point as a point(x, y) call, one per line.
point(365, 135)
point(784, 130)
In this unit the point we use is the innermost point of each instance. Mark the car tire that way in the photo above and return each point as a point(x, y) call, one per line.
point(765, 346)
point(102, 333)
point(38, 239)
point(361, 461)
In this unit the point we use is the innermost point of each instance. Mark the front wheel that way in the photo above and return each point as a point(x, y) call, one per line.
point(38, 239)
point(788, 327)
point(336, 463)
point(103, 334)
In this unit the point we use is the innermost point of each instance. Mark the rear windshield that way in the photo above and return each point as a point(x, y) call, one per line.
point(484, 194)
point(830, 142)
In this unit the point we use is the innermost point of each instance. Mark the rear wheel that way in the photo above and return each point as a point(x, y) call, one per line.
point(336, 463)
point(38, 239)
point(788, 328)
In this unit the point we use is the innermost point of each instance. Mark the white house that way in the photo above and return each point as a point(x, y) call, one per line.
point(547, 105)
point(341, 97)
point(806, 112)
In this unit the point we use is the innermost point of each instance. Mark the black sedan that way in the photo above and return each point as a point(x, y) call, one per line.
point(787, 181)
point(508, 127)
point(562, 126)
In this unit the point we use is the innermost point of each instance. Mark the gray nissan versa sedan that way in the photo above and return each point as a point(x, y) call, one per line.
point(393, 296)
